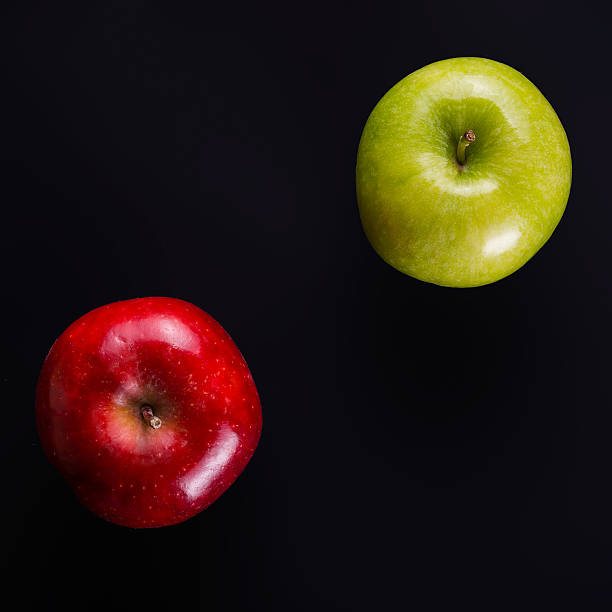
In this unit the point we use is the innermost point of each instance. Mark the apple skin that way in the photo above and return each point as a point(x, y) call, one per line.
point(163, 353)
point(452, 225)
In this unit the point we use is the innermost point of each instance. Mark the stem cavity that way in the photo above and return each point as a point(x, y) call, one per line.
point(464, 142)
point(147, 414)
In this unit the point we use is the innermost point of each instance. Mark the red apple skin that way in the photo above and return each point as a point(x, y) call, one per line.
point(167, 354)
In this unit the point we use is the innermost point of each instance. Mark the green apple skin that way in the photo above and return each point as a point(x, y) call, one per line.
point(462, 225)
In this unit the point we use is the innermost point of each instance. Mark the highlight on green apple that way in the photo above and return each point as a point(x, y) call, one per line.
point(463, 172)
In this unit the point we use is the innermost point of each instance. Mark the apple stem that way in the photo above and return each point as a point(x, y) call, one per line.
point(464, 142)
point(147, 413)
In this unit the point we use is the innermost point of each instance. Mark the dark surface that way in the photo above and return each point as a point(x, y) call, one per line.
point(423, 448)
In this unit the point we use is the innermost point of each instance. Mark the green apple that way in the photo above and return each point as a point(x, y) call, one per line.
point(463, 172)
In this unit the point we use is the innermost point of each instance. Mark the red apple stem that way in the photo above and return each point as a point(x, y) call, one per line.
point(147, 414)
point(464, 142)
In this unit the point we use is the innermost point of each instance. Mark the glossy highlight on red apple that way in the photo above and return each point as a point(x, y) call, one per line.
point(148, 409)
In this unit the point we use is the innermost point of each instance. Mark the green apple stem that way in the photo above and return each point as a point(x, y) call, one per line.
point(147, 414)
point(464, 142)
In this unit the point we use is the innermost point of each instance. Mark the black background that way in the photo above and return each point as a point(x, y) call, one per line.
point(423, 448)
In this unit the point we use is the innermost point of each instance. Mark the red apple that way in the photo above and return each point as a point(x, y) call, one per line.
point(148, 409)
